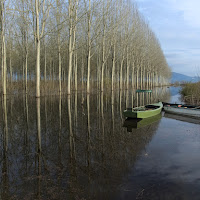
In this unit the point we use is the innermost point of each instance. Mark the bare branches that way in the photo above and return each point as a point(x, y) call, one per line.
point(91, 36)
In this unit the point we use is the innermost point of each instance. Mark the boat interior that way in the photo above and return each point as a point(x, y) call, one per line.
point(151, 107)
point(143, 108)
point(182, 105)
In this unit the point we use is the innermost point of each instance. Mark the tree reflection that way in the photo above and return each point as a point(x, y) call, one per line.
point(58, 143)
point(88, 136)
point(39, 148)
point(5, 171)
point(71, 134)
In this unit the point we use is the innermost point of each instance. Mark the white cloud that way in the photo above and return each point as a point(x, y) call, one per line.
point(176, 23)
point(190, 10)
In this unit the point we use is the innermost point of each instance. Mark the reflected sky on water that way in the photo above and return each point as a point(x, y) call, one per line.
point(175, 96)
point(76, 147)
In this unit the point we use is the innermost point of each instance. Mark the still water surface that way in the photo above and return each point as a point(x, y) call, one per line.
point(80, 147)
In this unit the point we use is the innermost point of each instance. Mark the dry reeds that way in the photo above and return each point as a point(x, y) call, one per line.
point(191, 93)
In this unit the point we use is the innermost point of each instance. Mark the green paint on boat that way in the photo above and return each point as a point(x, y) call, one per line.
point(143, 111)
point(143, 90)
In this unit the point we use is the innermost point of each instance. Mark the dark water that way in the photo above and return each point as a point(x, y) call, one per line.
point(79, 147)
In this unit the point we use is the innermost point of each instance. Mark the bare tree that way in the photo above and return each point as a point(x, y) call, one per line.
point(72, 11)
point(39, 31)
point(97, 42)
point(59, 44)
point(3, 46)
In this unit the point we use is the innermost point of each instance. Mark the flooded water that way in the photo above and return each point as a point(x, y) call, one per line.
point(81, 147)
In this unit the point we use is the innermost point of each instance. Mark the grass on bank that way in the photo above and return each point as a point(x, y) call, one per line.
point(191, 93)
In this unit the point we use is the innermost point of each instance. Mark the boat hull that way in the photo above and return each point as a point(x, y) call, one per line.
point(142, 114)
point(192, 112)
point(139, 123)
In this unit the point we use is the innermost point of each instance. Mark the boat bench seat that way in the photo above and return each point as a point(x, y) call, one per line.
point(151, 106)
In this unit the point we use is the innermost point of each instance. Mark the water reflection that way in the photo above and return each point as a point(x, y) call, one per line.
point(182, 118)
point(75, 147)
point(175, 96)
point(139, 123)
point(39, 150)
point(5, 178)
point(88, 136)
point(71, 133)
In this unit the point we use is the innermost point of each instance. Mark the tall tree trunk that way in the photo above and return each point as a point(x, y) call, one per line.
point(70, 48)
point(103, 61)
point(23, 67)
point(10, 70)
point(121, 73)
point(103, 50)
point(45, 65)
point(37, 50)
point(26, 71)
point(113, 66)
point(141, 71)
point(26, 61)
point(10, 59)
point(147, 80)
point(133, 78)
point(60, 65)
point(143, 78)
point(89, 48)
point(75, 71)
point(82, 71)
point(102, 76)
point(74, 45)
point(137, 77)
point(4, 65)
point(3, 47)
point(72, 11)
point(59, 45)
point(127, 72)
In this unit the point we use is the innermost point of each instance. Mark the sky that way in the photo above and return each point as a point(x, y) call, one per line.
point(176, 23)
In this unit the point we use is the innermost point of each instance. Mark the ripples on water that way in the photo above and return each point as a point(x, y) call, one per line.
point(77, 147)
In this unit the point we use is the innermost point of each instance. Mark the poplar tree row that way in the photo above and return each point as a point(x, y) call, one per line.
point(79, 44)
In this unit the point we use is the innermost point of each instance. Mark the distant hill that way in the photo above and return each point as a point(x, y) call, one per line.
point(183, 78)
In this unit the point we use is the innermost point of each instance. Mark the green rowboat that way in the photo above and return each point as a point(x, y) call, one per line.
point(143, 111)
point(143, 90)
